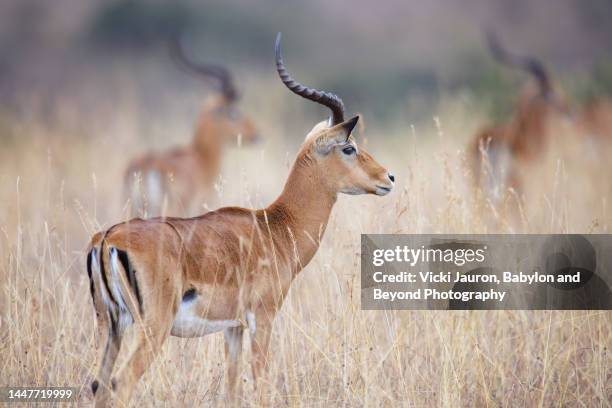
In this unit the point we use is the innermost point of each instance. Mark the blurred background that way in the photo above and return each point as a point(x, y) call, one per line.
point(98, 76)
point(387, 57)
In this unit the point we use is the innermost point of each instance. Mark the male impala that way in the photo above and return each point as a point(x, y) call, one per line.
point(185, 174)
point(228, 269)
point(498, 152)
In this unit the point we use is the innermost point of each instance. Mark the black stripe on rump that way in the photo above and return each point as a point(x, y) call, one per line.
point(91, 283)
point(131, 276)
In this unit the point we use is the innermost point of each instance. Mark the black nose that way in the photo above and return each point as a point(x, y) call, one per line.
point(392, 178)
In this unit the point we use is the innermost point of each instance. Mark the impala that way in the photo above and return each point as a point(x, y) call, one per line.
point(183, 175)
point(226, 270)
point(498, 152)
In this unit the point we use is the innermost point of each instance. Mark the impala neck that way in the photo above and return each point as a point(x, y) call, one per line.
point(532, 120)
point(208, 145)
point(303, 207)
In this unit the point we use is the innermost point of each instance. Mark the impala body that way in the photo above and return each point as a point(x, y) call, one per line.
point(498, 152)
point(595, 120)
point(226, 270)
point(171, 181)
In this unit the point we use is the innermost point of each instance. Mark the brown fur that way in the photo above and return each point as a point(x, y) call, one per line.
point(595, 120)
point(188, 173)
point(237, 260)
point(523, 137)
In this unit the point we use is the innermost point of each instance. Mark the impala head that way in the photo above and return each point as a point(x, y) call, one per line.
point(340, 165)
point(553, 104)
point(220, 115)
point(222, 118)
point(542, 95)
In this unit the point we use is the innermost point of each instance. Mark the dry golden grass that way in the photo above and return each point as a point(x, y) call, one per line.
point(59, 183)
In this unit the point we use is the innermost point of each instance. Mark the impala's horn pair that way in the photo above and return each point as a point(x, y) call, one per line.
point(217, 72)
point(530, 64)
point(328, 99)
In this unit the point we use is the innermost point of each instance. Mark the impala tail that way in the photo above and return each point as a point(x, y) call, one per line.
point(114, 288)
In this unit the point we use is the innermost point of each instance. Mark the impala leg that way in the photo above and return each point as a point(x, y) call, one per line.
point(233, 353)
point(111, 343)
point(145, 346)
point(259, 350)
point(109, 337)
point(150, 333)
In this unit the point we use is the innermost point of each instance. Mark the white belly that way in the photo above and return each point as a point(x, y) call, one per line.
point(188, 324)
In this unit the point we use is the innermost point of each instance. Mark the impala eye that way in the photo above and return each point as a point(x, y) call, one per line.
point(349, 150)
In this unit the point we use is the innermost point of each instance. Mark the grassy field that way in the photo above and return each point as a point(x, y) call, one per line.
point(60, 181)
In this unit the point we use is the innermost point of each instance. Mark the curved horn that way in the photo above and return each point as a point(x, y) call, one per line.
point(218, 72)
point(532, 65)
point(332, 101)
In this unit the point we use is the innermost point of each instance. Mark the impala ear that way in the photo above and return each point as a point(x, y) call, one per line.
point(336, 134)
point(345, 128)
